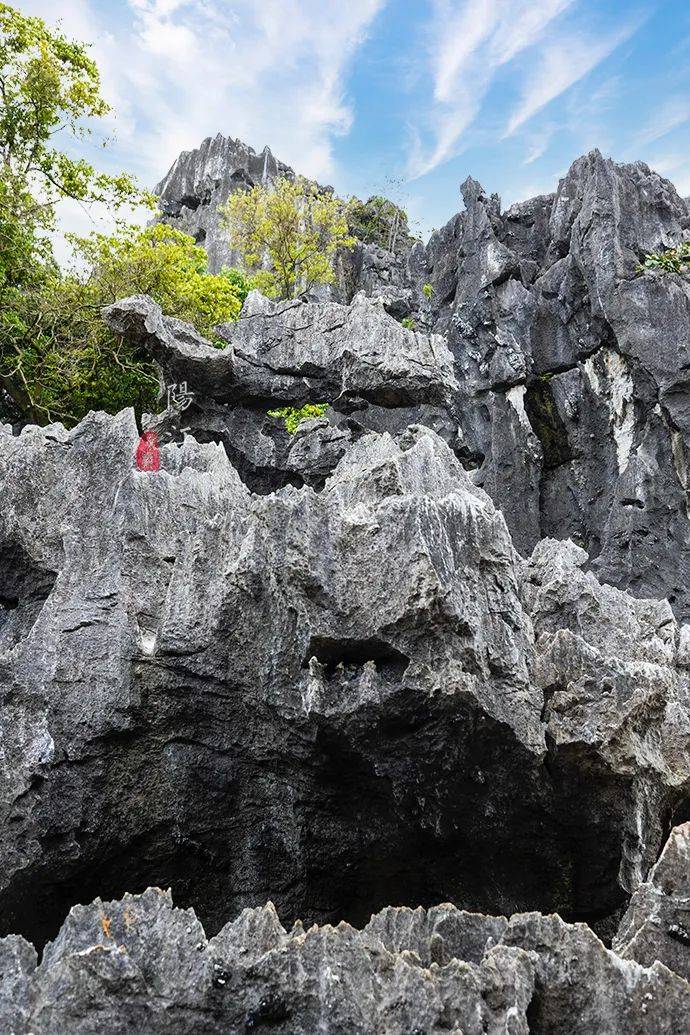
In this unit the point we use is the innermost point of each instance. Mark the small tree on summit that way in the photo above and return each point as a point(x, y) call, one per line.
point(288, 235)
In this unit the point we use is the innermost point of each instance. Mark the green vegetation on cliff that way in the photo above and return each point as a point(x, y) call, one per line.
point(378, 221)
point(57, 358)
point(675, 260)
point(288, 235)
point(293, 416)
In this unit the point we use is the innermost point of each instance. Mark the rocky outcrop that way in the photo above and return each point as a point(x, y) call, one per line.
point(289, 354)
point(200, 182)
point(572, 367)
point(140, 964)
point(392, 658)
point(365, 680)
point(295, 352)
point(657, 923)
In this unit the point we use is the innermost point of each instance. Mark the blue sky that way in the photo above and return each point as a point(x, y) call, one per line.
point(400, 97)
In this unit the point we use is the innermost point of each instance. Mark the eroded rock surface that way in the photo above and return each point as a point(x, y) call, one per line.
point(141, 965)
point(295, 352)
point(573, 394)
point(657, 923)
point(573, 367)
point(364, 680)
point(424, 650)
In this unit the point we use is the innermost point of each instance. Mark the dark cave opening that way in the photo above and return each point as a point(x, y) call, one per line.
point(330, 819)
point(350, 653)
point(546, 422)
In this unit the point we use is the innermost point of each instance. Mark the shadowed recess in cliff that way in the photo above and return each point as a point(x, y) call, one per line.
point(24, 588)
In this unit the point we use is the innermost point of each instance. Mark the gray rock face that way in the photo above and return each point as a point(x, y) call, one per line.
point(367, 663)
point(657, 923)
point(573, 395)
point(201, 181)
point(394, 278)
point(573, 367)
point(140, 965)
point(364, 681)
point(296, 352)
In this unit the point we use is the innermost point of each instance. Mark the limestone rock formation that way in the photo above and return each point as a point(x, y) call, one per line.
point(580, 363)
point(572, 366)
point(200, 182)
point(425, 650)
point(364, 680)
point(141, 965)
point(657, 923)
point(295, 352)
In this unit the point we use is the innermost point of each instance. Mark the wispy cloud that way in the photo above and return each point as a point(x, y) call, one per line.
point(563, 62)
point(670, 114)
point(473, 41)
point(538, 143)
point(178, 70)
point(271, 72)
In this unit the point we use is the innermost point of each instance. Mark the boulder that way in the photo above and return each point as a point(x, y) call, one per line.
point(295, 352)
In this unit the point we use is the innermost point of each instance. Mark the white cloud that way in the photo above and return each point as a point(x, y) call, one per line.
point(175, 71)
point(473, 41)
point(266, 72)
point(540, 140)
point(179, 70)
point(563, 62)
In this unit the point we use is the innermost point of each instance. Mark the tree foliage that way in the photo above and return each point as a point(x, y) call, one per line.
point(166, 264)
point(58, 359)
point(49, 88)
point(288, 235)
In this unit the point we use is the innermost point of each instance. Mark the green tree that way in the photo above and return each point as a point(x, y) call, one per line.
point(288, 235)
point(49, 87)
point(62, 360)
point(58, 360)
point(166, 264)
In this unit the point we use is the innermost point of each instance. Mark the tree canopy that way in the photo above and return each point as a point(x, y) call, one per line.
point(49, 89)
point(288, 235)
point(58, 360)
